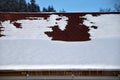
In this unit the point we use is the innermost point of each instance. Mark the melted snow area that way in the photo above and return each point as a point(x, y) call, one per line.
point(33, 27)
point(30, 48)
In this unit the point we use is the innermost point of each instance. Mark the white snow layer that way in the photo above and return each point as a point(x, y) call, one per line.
point(58, 67)
point(29, 54)
point(108, 25)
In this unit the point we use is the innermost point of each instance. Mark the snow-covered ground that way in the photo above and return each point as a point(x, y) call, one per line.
point(25, 50)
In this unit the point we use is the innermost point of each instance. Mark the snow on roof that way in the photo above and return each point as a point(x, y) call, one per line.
point(58, 67)
point(31, 27)
point(59, 41)
point(108, 25)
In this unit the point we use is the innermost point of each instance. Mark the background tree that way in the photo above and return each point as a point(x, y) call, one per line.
point(116, 8)
point(49, 9)
point(44, 9)
point(22, 6)
point(33, 7)
point(2, 3)
point(105, 10)
point(62, 11)
point(9, 6)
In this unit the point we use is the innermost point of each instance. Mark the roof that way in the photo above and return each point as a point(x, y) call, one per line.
point(59, 41)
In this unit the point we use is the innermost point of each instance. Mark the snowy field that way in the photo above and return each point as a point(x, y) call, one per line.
point(23, 49)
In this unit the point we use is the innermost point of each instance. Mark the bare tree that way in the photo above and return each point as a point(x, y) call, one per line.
point(116, 8)
point(105, 10)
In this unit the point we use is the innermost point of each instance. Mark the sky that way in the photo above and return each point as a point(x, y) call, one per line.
point(77, 5)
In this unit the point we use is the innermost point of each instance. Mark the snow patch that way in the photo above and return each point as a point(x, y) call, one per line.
point(52, 21)
point(108, 25)
point(33, 27)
